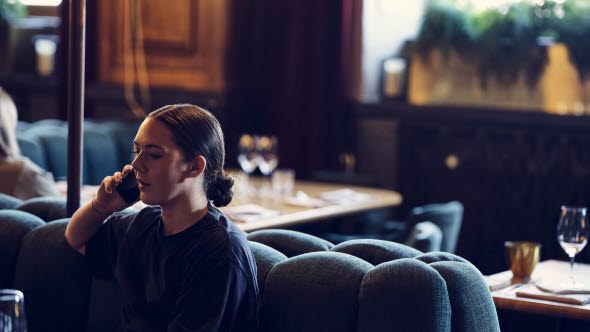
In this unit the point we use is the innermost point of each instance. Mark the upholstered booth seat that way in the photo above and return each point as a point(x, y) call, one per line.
point(107, 146)
point(266, 258)
point(290, 243)
point(419, 300)
point(426, 237)
point(313, 292)
point(46, 208)
point(9, 202)
point(364, 285)
point(14, 226)
point(398, 288)
point(100, 153)
point(432, 227)
point(376, 251)
point(123, 133)
point(53, 139)
point(55, 280)
point(447, 216)
point(30, 146)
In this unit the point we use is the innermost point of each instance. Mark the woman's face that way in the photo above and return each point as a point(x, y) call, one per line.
point(159, 165)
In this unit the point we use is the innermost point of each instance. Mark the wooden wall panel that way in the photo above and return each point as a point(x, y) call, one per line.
point(185, 42)
point(162, 30)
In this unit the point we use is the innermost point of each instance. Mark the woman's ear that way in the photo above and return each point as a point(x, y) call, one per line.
point(197, 166)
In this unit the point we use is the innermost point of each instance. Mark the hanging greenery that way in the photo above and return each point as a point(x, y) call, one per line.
point(504, 42)
point(10, 10)
point(573, 30)
point(445, 27)
point(507, 45)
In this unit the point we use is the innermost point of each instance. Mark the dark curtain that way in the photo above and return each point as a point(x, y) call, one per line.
point(301, 94)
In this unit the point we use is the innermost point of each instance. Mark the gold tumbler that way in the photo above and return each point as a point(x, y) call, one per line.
point(523, 256)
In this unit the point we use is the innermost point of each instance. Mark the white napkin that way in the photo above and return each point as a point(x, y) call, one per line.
point(304, 200)
point(534, 292)
point(343, 196)
point(558, 287)
point(498, 282)
point(249, 212)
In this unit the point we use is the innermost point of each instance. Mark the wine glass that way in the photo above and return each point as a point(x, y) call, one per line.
point(268, 151)
point(572, 234)
point(247, 157)
point(12, 311)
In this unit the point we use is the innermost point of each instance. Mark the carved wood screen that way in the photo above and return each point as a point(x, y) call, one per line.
point(184, 42)
point(511, 179)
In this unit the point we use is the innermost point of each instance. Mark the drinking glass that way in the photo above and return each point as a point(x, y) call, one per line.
point(572, 234)
point(248, 157)
point(268, 150)
point(283, 181)
point(12, 311)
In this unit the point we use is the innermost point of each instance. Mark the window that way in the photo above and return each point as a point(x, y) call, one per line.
point(48, 3)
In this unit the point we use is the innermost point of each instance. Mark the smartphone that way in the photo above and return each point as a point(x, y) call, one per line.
point(129, 188)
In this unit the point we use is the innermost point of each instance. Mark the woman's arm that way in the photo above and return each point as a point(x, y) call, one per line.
point(89, 218)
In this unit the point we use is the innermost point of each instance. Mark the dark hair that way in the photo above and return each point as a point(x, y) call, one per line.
point(198, 133)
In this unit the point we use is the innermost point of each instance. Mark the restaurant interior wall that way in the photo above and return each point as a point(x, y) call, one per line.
point(236, 72)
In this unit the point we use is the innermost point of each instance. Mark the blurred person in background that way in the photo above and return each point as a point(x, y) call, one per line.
point(19, 176)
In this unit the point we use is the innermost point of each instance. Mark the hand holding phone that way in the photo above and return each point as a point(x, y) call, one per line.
point(129, 188)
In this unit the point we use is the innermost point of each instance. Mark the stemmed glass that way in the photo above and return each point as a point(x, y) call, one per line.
point(12, 311)
point(268, 152)
point(248, 157)
point(572, 234)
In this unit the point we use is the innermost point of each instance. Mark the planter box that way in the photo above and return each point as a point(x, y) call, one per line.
point(451, 81)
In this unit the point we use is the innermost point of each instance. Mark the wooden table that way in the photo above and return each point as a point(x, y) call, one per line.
point(547, 269)
point(289, 215)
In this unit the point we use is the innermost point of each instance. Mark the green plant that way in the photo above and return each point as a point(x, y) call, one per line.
point(506, 45)
point(504, 42)
point(445, 27)
point(10, 10)
point(573, 30)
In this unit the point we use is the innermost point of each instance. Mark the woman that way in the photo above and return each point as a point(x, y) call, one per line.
point(20, 177)
point(181, 264)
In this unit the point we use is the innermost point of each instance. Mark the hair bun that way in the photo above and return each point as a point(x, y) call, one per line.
point(221, 190)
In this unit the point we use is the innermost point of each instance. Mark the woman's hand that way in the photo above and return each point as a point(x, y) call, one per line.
point(107, 199)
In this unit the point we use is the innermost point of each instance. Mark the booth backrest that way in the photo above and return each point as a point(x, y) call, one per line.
point(9, 202)
point(343, 288)
point(30, 146)
point(107, 146)
point(55, 280)
point(14, 226)
point(46, 208)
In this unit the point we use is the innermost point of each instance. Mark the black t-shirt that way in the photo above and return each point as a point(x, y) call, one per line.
point(201, 279)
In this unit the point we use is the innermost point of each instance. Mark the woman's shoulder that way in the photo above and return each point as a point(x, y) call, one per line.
point(128, 215)
point(28, 165)
point(150, 211)
point(217, 235)
point(146, 216)
point(237, 247)
point(130, 222)
point(226, 229)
